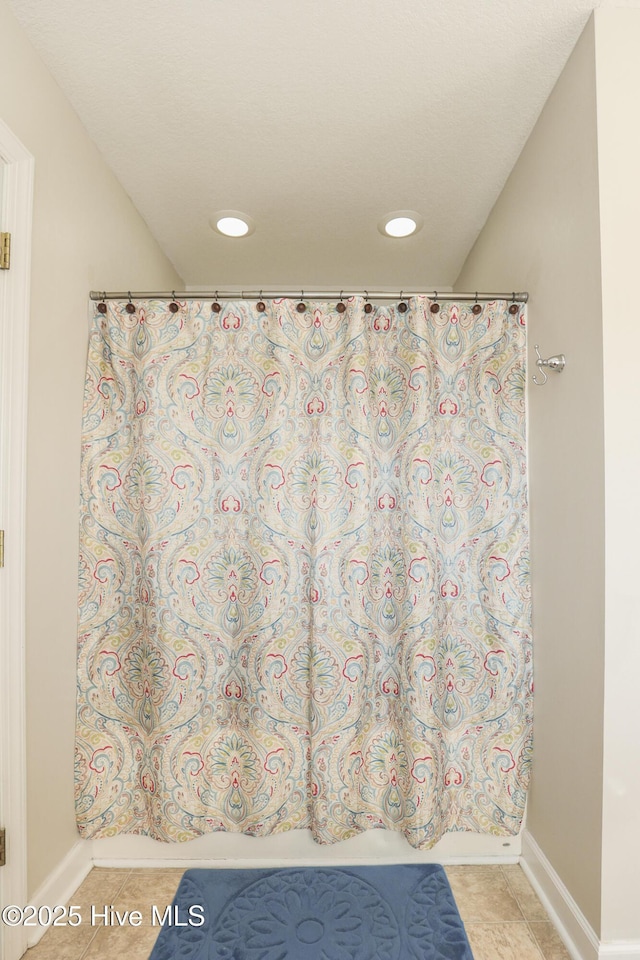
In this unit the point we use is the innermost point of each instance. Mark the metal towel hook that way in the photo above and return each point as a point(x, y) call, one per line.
point(555, 363)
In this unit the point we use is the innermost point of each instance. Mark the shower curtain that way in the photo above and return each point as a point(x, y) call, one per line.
point(304, 574)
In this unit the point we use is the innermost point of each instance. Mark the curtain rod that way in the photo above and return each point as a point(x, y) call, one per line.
point(521, 297)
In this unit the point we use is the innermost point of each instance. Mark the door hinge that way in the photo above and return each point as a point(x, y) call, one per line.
point(3, 847)
point(5, 251)
point(1, 548)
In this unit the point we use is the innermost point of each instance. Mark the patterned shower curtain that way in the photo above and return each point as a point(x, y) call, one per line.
point(304, 574)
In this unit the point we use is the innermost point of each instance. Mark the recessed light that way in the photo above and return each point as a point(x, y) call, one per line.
point(231, 223)
point(232, 226)
point(402, 223)
point(400, 227)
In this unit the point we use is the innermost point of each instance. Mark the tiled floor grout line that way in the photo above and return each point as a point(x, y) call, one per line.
point(498, 923)
point(535, 939)
point(514, 894)
point(89, 942)
point(127, 874)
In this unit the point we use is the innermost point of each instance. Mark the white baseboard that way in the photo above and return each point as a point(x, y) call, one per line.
point(61, 883)
point(620, 950)
point(577, 933)
point(565, 914)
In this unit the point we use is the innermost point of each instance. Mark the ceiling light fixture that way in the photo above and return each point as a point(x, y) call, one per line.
point(232, 226)
point(231, 223)
point(400, 227)
point(402, 223)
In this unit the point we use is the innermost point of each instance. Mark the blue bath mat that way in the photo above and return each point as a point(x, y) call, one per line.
point(404, 912)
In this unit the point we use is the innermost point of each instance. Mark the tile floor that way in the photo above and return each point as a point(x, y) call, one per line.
point(503, 917)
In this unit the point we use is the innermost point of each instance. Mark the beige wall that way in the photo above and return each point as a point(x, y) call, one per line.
point(543, 236)
point(618, 86)
point(87, 234)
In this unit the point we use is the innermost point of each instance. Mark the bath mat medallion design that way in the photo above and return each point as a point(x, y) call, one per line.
point(400, 912)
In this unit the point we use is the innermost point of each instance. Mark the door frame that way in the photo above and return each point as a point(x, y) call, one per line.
point(16, 210)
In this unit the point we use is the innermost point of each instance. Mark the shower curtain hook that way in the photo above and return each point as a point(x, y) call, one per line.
point(368, 307)
point(341, 307)
point(435, 306)
point(476, 309)
point(102, 306)
point(301, 306)
point(215, 306)
point(402, 306)
point(260, 305)
point(173, 306)
point(513, 309)
point(130, 308)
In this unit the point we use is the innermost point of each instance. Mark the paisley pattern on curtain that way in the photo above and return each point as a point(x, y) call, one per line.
point(304, 572)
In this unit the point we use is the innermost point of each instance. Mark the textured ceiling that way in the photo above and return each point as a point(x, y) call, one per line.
point(315, 118)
